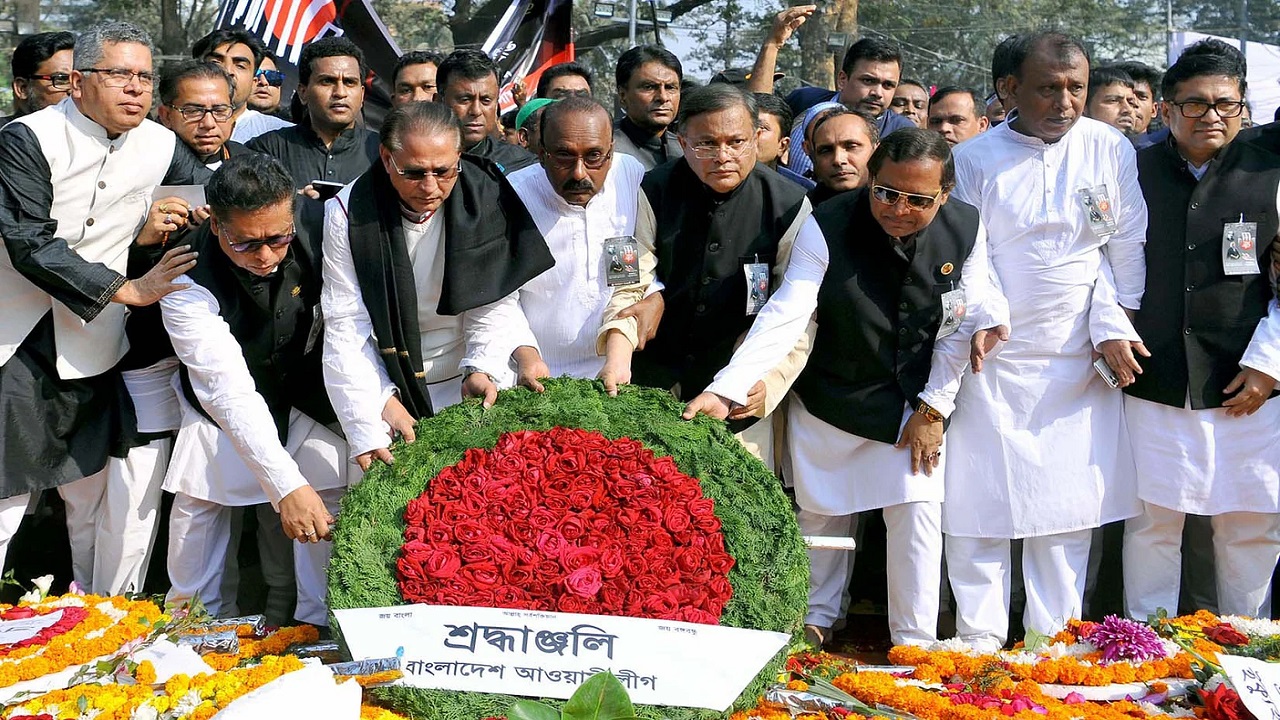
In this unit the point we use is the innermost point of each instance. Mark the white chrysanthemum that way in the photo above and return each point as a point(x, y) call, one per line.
point(951, 645)
point(1253, 627)
point(187, 703)
point(145, 712)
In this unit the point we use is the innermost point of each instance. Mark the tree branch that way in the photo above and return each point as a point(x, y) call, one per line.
point(616, 31)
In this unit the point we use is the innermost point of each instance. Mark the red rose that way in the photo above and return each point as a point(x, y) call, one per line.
point(481, 575)
point(547, 572)
point(1224, 703)
point(1225, 634)
point(690, 559)
point(574, 604)
point(660, 605)
point(521, 531)
point(470, 531)
point(676, 519)
point(477, 553)
point(558, 504)
point(646, 584)
point(612, 595)
point(542, 518)
point(441, 563)
point(694, 615)
point(572, 527)
point(576, 558)
point(510, 596)
point(521, 576)
point(612, 561)
point(558, 484)
point(584, 582)
point(551, 543)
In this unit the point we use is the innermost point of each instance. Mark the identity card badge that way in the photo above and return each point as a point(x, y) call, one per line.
point(757, 274)
point(953, 311)
point(1240, 248)
point(1096, 202)
point(621, 264)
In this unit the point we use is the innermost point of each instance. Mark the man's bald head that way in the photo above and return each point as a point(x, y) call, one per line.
point(577, 147)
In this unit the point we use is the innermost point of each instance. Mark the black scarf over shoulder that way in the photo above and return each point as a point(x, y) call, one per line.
point(492, 247)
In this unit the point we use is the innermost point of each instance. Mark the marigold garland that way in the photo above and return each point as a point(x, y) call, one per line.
point(274, 644)
point(107, 626)
point(941, 666)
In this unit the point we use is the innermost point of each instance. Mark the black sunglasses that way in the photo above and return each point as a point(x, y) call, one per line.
point(277, 242)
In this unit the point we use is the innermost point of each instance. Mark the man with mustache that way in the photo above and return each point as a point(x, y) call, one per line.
point(648, 80)
point(41, 68)
point(67, 228)
point(583, 197)
point(426, 239)
point(1037, 444)
point(868, 79)
point(329, 146)
point(1111, 99)
point(468, 82)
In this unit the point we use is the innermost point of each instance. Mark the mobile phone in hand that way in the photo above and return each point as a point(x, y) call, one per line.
point(325, 188)
point(1104, 370)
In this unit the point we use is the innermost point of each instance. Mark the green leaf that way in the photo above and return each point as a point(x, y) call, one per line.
point(1035, 641)
point(601, 697)
point(530, 710)
point(82, 704)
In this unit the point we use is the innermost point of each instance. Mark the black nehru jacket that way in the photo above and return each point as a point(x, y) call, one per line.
point(703, 240)
point(305, 156)
point(272, 318)
point(1195, 319)
point(879, 309)
point(506, 156)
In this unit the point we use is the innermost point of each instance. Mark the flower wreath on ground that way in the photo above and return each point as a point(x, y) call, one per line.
point(575, 501)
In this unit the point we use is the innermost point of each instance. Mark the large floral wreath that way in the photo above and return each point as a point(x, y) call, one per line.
point(576, 501)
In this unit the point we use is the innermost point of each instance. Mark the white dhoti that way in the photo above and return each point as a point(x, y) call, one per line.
point(112, 515)
point(836, 475)
point(209, 478)
point(1204, 462)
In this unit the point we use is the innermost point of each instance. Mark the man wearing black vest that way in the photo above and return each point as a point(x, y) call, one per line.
point(468, 84)
point(1210, 319)
point(427, 234)
point(897, 275)
point(255, 426)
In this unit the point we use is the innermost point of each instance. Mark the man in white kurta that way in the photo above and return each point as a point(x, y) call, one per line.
point(841, 471)
point(583, 197)
point(1210, 317)
point(1038, 448)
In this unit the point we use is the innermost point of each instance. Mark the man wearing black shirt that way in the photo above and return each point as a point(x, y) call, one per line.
point(41, 68)
point(649, 80)
point(329, 147)
point(468, 85)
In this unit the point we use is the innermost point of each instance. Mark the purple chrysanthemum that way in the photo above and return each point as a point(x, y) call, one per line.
point(1119, 639)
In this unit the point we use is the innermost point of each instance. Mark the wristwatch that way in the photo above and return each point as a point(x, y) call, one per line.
point(929, 412)
point(467, 370)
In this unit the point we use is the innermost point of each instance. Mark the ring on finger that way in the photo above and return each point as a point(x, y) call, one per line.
point(168, 219)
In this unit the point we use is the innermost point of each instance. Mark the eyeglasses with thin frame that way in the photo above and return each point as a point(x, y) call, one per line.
point(119, 77)
point(592, 160)
point(274, 78)
point(734, 149)
point(1196, 109)
point(416, 175)
point(915, 201)
point(57, 81)
point(196, 113)
point(276, 242)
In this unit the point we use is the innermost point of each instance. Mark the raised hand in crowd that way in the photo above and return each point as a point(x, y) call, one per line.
point(785, 24)
point(159, 281)
point(304, 516)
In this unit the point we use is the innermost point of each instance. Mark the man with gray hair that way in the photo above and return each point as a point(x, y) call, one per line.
point(75, 185)
point(426, 234)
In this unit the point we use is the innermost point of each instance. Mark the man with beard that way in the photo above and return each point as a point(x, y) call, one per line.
point(41, 66)
point(583, 198)
point(67, 228)
point(649, 80)
point(1111, 99)
point(329, 146)
point(427, 235)
point(867, 81)
point(468, 82)
point(840, 141)
point(1038, 448)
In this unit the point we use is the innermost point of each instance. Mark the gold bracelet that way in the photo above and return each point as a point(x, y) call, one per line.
point(929, 412)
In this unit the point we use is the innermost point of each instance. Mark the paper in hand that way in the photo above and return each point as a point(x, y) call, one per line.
point(193, 195)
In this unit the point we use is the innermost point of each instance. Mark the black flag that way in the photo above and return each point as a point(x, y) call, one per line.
point(531, 36)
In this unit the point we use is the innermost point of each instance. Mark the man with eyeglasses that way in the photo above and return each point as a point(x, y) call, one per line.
point(41, 66)
point(1210, 317)
point(1037, 445)
point(428, 240)
point(195, 103)
point(897, 274)
point(268, 81)
point(583, 198)
point(75, 186)
point(330, 147)
point(255, 426)
point(240, 53)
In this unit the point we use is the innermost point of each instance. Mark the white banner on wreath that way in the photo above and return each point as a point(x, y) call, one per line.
point(1257, 682)
point(548, 654)
point(16, 631)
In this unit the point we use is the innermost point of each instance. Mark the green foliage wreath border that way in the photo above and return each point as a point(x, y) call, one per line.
point(771, 574)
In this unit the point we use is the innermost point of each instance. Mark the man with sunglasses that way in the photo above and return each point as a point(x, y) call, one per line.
point(1037, 446)
point(240, 53)
point(1209, 315)
point(583, 197)
point(428, 237)
point(896, 273)
point(267, 84)
point(75, 186)
point(255, 423)
point(41, 68)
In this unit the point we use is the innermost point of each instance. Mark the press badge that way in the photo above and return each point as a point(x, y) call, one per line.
point(1240, 248)
point(953, 310)
point(1096, 202)
point(757, 274)
point(621, 265)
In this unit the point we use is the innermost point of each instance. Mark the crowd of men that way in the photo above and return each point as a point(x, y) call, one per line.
point(855, 280)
